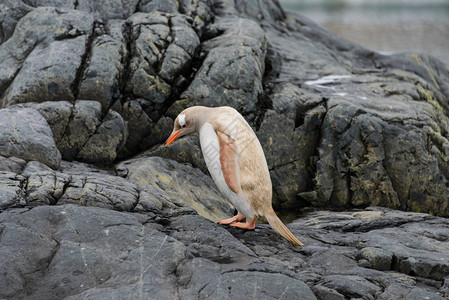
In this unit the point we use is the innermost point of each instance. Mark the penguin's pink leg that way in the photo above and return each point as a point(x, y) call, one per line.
point(249, 224)
point(236, 218)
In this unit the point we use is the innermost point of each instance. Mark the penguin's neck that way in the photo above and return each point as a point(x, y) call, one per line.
point(202, 116)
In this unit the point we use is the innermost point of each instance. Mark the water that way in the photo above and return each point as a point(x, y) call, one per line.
point(387, 26)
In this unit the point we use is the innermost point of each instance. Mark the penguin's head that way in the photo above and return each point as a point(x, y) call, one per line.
point(187, 122)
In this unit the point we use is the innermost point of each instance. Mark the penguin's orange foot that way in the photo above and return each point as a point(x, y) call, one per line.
point(248, 225)
point(237, 218)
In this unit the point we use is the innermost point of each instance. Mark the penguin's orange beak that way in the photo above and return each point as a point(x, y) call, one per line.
point(172, 137)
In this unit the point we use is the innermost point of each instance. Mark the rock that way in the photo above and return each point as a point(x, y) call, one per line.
point(139, 126)
point(103, 75)
point(418, 293)
point(100, 190)
point(158, 5)
point(342, 127)
point(163, 46)
point(387, 249)
point(280, 136)
point(352, 286)
point(177, 185)
point(81, 132)
point(12, 164)
point(51, 44)
point(363, 122)
point(265, 285)
point(10, 13)
point(11, 192)
point(44, 186)
point(323, 292)
point(75, 251)
point(184, 150)
point(83, 122)
point(57, 114)
point(109, 9)
point(239, 48)
point(376, 258)
point(145, 184)
point(83, 187)
point(71, 254)
point(25, 134)
point(444, 290)
point(107, 140)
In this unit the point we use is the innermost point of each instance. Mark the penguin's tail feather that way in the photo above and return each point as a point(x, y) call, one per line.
point(280, 228)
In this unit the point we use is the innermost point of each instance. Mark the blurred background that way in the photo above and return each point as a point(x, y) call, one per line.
point(387, 26)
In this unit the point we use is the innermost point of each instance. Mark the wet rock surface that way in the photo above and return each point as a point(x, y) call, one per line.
point(94, 207)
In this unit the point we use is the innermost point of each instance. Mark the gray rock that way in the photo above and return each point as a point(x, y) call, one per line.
point(57, 114)
point(184, 150)
point(280, 136)
point(71, 254)
point(342, 126)
point(237, 283)
point(444, 290)
point(12, 164)
point(81, 132)
point(140, 127)
point(263, 11)
point(231, 73)
point(418, 293)
point(374, 132)
point(51, 44)
point(83, 122)
point(11, 12)
point(11, 191)
point(166, 183)
point(109, 9)
point(163, 45)
point(352, 286)
point(386, 248)
point(95, 252)
point(378, 259)
point(100, 190)
point(324, 293)
point(44, 186)
point(25, 134)
point(102, 76)
point(158, 5)
point(107, 140)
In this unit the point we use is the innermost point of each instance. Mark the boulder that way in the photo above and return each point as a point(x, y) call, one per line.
point(231, 73)
point(12, 191)
point(178, 185)
point(25, 134)
point(103, 75)
point(43, 56)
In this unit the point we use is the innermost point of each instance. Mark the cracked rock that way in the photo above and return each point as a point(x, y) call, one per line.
point(25, 134)
point(48, 57)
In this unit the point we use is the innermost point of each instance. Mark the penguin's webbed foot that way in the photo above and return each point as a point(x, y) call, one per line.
point(237, 218)
point(249, 225)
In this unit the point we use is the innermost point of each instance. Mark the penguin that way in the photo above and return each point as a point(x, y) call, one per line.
point(236, 162)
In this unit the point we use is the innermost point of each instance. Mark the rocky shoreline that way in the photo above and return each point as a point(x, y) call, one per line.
point(94, 207)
